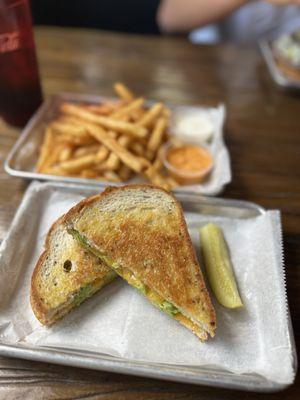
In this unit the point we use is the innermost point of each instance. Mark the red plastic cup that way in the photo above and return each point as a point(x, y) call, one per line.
point(20, 89)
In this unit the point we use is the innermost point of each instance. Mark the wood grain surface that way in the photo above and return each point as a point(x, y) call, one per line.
point(263, 136)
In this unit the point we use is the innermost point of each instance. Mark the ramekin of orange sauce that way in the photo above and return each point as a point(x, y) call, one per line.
point(188, 163)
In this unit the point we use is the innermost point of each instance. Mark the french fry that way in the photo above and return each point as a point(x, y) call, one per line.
point(150, 173)
point(150, 115)
point(128, 109)
point(104, 108)
point(74, 134)
point(123, 92)
point(88, 149)
point(156, 178)
point(137, 114)
point(124, 141)
point(144, 162)
point(112, 134)
point(124, 173)
point(70, 129)
point(77, 164)
point(101, 178)
point(101, 154)
point(149, 155)
point(56, 171)
point(128, 158)
point(172, 182)
point(53, 155)
point(106, 122)
point(75, 141)
point(65, 154)
point(157, 134)
point(89, 173)
point(70, 120)
point(125, 118)
point(111, 176)
point(113, 162)
point(45, 149)
point(158, 163)
point(137, 148)
point(166, 112)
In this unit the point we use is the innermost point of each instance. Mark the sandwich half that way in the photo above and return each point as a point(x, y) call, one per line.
point(65, 275)
point(140, 232)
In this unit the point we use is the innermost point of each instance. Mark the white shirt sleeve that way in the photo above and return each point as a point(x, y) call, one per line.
point(259, 19)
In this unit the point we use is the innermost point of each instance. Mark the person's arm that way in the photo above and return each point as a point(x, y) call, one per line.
point(185, 15)
point(284, 2)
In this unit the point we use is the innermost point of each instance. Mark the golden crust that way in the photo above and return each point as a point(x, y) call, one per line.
point(35, 301)
point(130, 239)
point(38, 306)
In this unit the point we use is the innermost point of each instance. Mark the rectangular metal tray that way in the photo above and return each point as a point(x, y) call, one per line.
point(196, 375)
point(22, 159)
point(280, 79)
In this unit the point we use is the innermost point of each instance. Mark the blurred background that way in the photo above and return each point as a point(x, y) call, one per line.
point(241, 22)
point(202, 21)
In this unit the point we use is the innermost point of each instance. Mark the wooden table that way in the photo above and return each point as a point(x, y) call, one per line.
point(263, 136)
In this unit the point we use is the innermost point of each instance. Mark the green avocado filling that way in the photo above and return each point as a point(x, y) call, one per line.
point(141, 287)
point(80, 238)
point(108, 261)
point(168, 308)
point(84, 293)
point(110, 276)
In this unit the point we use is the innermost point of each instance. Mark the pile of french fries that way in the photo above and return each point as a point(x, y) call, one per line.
point(110, 141)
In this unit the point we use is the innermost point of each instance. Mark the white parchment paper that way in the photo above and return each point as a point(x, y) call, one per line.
point(119, 321)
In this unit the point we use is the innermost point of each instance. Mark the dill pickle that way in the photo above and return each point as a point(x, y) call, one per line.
point(219, 267)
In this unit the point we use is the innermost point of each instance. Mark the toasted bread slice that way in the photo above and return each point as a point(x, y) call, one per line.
point(140, 232)
point(65, 275)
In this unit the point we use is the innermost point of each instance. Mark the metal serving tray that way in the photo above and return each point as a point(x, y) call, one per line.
point(22, 159)
point(180, 373)
point(281, 80)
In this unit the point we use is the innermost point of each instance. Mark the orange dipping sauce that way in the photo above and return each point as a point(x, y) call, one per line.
point(189, 163)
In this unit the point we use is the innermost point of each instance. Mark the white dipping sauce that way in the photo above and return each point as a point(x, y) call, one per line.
point(193, 126)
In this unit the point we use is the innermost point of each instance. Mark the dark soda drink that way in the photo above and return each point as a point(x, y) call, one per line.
point(20, 89)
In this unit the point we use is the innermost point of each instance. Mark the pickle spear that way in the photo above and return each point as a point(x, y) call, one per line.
point(219, 267)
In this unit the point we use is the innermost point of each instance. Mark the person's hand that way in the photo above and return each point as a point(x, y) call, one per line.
point(283, 2)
